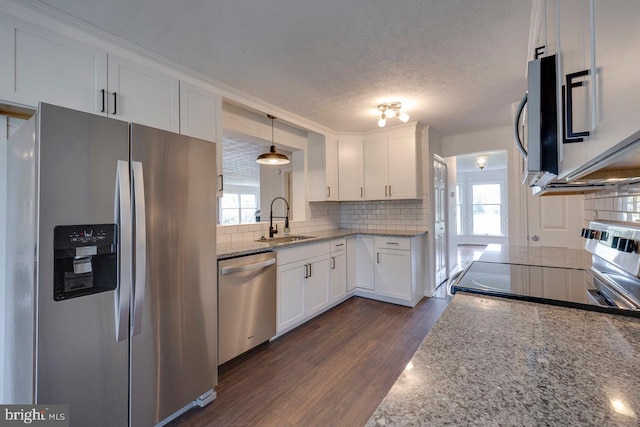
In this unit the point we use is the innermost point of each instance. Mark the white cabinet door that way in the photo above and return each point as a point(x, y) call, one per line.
point(322, 167)
point(331, 168)
point(376, 167)
point(317, 285)
point(393, 273)
point(618, 82)
point(201, 117)
point(338, 275)
point(142, 95)
point(352, 264)
point(37, 65)
point(403, 170)
point(365, 259)
point(350, 168)
point(291, 299)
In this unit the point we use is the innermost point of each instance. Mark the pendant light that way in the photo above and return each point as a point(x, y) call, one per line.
point(272, 158)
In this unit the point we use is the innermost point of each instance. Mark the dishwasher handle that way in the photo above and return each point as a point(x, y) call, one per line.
point(247, 267)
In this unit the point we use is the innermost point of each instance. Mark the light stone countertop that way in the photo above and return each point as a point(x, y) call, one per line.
point(543, 256)
point(249, 247)
point(491, 361)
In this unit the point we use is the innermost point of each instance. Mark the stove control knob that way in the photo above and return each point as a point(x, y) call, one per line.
point(588, 233)
point(626, 245)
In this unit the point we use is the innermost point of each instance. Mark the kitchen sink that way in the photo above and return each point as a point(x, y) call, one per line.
point(284, 239)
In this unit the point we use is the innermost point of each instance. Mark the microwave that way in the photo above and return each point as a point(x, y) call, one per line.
point(541, 153)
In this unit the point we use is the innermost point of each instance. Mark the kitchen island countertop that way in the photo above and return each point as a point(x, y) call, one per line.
point(493, 361)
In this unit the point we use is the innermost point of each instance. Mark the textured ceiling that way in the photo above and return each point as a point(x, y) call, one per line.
point(455, 64)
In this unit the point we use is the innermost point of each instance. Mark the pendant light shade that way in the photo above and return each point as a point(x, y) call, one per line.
point(272, 158)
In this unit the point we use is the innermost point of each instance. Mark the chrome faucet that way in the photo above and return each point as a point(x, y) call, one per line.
point(273, 231)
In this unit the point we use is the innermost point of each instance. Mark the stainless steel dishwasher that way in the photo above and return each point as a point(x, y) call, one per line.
point(246, 303)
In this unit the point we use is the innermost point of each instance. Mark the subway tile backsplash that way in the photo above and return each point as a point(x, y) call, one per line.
point(620, 205)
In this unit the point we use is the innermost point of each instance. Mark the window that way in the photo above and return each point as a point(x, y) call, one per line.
point(487, 206)
point(237, 208)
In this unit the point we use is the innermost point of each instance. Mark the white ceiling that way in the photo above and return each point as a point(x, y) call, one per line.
point(455, 64)
point(496, 160)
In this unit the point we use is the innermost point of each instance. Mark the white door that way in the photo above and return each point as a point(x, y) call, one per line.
point(41, 66)
point(350, 169)
point(317, 285)
point(376, 168)
point(338, 275)
point(393, 273)
point(440, 220)
point(142, 95)
point(290, 294)
point(555, 220)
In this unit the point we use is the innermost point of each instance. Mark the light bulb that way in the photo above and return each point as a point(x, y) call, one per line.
point(404, 117)
point(382, 121)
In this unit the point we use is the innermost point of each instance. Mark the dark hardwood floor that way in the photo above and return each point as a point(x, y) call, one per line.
point(332, 371)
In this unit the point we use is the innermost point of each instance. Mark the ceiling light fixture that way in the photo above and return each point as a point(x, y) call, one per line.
point(391, 110)
point(481, 162)
point(272, 158)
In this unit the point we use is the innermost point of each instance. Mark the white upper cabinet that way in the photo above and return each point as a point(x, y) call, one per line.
point(350, 168)
point(201, 117)
point(391, 164)
point(322, 161)
point(142, 95)
point(37, 65)
point(617, 38)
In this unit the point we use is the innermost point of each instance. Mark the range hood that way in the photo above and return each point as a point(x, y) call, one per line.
point(616, 167)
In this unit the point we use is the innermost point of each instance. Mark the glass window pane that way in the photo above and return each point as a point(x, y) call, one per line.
point(247, 216)
point(248, 200)
point(458, 195)
point(459, 219)
point(229, 201)
point(230, 216)
point(487, 220)
point(486, 193)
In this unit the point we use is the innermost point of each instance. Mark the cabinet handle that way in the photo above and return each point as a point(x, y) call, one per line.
point(378, 257)
point(328, 192)
point(115, 103)
point(103, 106)
point(310, 270)
point(306, 271)
point(572, 136)
point(361, 192)
point(389, 191)
point(392, 243)
point(339, 244)
point(385, 191)
point(333, 263)
point(221, 182)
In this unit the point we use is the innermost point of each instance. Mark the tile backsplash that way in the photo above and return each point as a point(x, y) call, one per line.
point(411, 215)
point(620, 205)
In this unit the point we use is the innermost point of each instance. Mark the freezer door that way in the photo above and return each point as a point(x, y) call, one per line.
point(80, 361)
point(173, 346)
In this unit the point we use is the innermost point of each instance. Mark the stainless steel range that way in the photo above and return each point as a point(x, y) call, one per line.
point(611, 285)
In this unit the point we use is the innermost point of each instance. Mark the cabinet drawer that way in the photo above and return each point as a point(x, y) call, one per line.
point(302, 252)
point(401, 243)
point(338, 245)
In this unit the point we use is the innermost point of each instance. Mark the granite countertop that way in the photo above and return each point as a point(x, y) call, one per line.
point(249, 247)
point(493, 361)
point(542, 256)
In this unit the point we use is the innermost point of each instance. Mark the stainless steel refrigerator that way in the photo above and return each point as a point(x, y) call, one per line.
point(111, 269)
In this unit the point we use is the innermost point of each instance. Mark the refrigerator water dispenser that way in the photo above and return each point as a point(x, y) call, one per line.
point(86, 260)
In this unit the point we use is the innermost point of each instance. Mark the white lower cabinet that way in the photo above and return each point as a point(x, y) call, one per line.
point(390, 269)
point(303, 284)
point(338, 266)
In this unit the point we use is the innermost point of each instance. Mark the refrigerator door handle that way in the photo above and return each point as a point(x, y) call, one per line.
point(123, 219)
point(141, 246)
